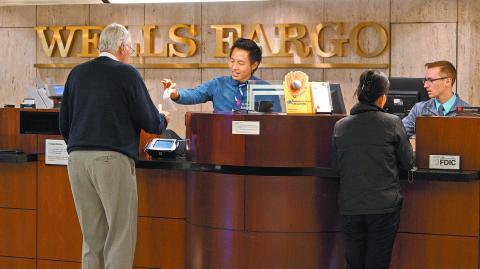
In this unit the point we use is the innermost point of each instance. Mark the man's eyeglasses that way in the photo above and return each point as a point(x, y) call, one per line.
point(132, 50)
point(431, 80)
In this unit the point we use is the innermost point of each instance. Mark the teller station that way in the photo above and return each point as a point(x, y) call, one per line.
point(267, 199)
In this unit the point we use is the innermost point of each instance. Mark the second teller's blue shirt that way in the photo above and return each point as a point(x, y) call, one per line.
point(222, 91)
point(447, 105)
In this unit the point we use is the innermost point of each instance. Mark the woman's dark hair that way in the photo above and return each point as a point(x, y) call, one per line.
point(254, 51)
point(372, 85)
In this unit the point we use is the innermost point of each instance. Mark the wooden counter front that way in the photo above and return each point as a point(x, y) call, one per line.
point(225, 219)
point(448, 136)
point(257, 222)
point(38, 223)
point(284, 140)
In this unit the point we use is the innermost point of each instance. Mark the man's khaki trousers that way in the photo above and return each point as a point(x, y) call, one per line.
point(104, 189)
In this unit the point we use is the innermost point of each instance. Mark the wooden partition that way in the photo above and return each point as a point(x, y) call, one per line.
point(10, 132)
point(439, 225)
point(38, 223)
point(18, 197)
point(247, 221)
point(250, 217)
point(284, 141)
point(448, 136)
point(440, 220)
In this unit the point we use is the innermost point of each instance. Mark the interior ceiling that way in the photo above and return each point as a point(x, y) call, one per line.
point(47, 2)
point(75, 2)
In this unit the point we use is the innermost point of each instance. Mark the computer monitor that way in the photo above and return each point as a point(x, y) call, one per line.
point(404, 93)
point(265, 96)
point(55, 90)
point(55, 93)
point(338, 106)
point(268, 96)
point(269, 102)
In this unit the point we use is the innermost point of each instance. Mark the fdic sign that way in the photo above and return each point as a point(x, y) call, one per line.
point(445, 162)
point(323, 40)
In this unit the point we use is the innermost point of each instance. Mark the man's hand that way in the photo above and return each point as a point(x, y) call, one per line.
point(167, 115)
point(172, 87)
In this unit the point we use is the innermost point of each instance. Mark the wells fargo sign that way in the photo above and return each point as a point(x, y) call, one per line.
point(291, 39)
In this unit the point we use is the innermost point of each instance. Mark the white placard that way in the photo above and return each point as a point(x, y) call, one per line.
point(447, 162)
point(56, 152)
point(322, 102)
point(246, 127)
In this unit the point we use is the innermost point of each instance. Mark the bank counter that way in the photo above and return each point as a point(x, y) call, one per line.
point(262, 200)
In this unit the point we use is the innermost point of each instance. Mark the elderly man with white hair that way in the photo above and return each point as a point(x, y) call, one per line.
point(105, 105)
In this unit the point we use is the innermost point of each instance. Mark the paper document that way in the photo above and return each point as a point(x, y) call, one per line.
point(168, 103)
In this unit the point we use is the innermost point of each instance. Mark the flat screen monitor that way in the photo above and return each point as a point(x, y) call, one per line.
point(404, 93)
point(268, 102)
point(268, 96)
point(400, 102)
point(265, 96)
point(338, 105)
point(55, 90)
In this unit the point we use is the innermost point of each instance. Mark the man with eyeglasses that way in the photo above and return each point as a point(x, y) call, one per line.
point(439, 79)
point(227, 93)
point(105, 105)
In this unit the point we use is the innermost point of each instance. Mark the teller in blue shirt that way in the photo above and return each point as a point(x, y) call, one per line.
point(227, 92)
point(439, 79)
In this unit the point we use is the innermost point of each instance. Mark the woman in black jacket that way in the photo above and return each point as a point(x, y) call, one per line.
point(369, 147)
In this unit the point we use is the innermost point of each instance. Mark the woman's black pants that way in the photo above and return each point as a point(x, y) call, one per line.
point(369, 239)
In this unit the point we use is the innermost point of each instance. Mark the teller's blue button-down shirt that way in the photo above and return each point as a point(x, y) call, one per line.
point(222, 91)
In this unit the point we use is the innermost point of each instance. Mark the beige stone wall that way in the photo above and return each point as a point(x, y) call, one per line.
point(419, 30)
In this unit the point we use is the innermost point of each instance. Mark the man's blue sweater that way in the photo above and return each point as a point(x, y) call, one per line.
point(105, 105)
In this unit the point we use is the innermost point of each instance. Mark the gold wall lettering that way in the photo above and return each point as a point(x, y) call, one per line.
point(91, 35)
point(90, 43)
point(382, 44)
point(291, 39)
point(258, 35)
point(149, 43)
point(190, 43)
point(222, 42)
point(290, 36)
point(338, 43)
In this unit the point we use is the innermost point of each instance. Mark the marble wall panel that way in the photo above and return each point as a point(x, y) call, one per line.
point(17, 16)
point(413, 45)
point(16, 71)
point(424, 11)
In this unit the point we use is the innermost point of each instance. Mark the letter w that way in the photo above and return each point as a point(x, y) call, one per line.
point(56, 39)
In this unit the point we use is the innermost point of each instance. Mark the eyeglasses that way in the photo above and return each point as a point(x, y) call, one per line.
point(431, 80)
point(132, 50)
